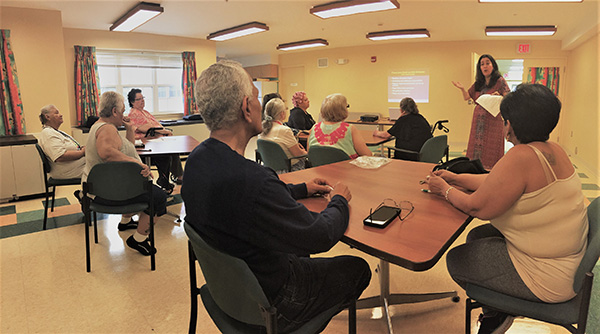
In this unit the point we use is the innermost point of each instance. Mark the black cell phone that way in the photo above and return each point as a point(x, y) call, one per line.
point(382, 216)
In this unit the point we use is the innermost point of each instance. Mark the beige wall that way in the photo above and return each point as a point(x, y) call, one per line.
point(365, 83)
point(36, 37)
point(44, 55)
point(580, 116)
point(205, 50)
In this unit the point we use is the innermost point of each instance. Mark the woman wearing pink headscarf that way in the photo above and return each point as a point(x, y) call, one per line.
point(299, 118)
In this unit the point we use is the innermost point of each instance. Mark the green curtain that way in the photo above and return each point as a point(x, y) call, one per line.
point(13, 122)
point(188, 81)
point(86, 83)
point(547, 76)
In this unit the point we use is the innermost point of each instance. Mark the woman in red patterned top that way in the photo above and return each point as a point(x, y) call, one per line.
point(143, 121)
point(486, 141)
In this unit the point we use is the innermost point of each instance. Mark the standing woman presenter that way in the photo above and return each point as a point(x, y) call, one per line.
point(486, 139)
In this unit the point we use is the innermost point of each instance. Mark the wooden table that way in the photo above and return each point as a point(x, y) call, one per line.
point(381, 122)
point(166, 145)
point(417, 243)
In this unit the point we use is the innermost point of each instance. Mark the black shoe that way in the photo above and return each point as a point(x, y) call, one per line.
point(132, 225)
point(494, 322)
point(77, 195)
point(166, 186)
point(143, 247)
point(177, 180)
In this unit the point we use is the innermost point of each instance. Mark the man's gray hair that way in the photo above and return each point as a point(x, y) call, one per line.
point(220, 90)
point(108, 101)
point(45, 111)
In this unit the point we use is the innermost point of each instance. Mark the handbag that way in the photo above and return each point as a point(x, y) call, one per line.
point(462, 165)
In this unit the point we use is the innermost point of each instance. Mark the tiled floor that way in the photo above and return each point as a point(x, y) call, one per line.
point(45, 289)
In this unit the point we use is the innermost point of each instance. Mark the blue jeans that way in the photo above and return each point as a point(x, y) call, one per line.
point(318, 284)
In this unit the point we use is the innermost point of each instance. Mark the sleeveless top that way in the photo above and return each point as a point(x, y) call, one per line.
point(336, 135)
point(546, 235)
point(91, 152)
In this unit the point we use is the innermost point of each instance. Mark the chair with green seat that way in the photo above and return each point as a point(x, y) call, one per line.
point(324, 155)
point(433, 150)
point(273, 156)
point(233, 297)
point(51, 182)
point(574, 311)
point(116, 181)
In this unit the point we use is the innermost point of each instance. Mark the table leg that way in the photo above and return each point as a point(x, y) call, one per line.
point(385, 299)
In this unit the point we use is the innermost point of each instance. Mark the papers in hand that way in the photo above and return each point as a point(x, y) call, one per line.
point(491, 103)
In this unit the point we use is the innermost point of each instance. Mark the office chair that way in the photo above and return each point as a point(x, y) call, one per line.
point(52, 182)
point(324, 155)
point(574, 311)
point(233, 297)
point(273, 156)
point(433, 150)
point(118, 181)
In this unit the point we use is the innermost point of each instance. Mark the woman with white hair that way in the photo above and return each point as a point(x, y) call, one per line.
point(333, 131)
point(274, 130)
point(66, 155)
point(104, 145)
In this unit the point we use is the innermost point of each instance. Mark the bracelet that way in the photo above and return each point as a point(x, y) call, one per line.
point(447, 191)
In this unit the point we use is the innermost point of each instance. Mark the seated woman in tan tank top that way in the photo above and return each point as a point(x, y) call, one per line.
point(533, 199)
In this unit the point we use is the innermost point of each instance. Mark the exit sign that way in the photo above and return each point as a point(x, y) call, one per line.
point(523, 48)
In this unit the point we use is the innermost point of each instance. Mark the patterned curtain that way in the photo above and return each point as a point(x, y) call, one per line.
point(13, 122)
point(188, 81)
point(86, 83)
point(547, 76)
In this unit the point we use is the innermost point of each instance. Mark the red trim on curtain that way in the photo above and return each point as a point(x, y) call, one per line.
point(188, 82)
point(86, 83)
point(13, 122)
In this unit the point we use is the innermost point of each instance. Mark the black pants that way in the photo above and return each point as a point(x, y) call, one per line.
point(168, 164)
point(158, 196)
point(316, 285)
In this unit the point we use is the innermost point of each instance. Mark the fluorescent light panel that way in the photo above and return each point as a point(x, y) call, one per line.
point(520, 30)
point(311, 43)
point(530, 0)
point(349, 7)
point(138, 15)
point(398, 34)
point(238, 31)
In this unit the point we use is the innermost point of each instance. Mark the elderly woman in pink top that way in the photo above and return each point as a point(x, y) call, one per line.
point(143, 121)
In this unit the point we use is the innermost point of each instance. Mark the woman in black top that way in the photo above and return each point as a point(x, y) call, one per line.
point(299, 118)
point(411, 130)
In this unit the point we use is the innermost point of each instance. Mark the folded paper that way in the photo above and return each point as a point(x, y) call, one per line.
point(491, 103)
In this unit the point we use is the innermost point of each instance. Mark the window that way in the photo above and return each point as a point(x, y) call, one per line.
point(157, 74)
point(512, 70)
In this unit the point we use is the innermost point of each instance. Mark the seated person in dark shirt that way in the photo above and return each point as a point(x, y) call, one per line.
point(411, 130)
point(242, 208)
point(300, 118)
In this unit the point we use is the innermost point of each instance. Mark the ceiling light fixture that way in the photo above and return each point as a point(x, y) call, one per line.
point(530, 0)
point(311, 43)
point(138, 15)
point(520, 30)
point(238, 31)
point(349, 7)
point(397, 34)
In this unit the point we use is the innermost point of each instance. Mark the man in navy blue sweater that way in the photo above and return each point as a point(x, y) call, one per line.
point(244, 210)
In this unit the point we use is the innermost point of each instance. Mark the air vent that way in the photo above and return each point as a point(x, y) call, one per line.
point(322, 62)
